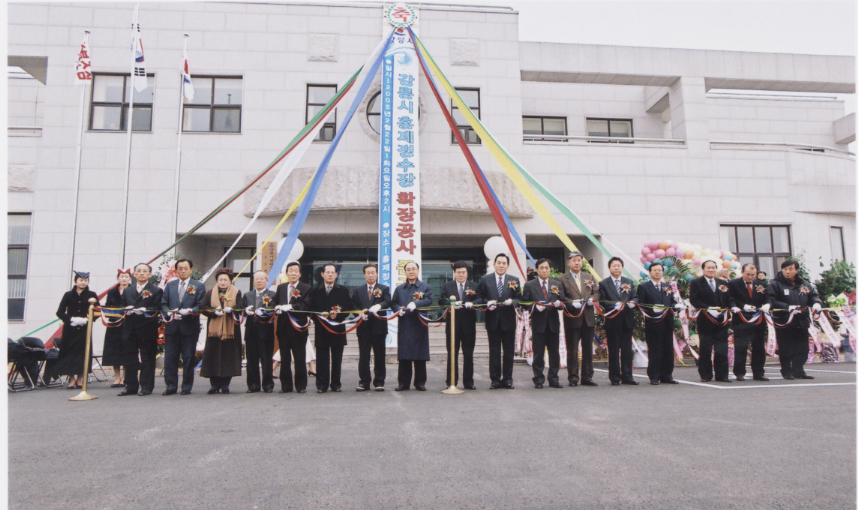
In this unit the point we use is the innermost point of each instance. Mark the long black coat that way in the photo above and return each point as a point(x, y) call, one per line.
point(362, 301)
point(503, 317)
point(73, 345)
point(319, 301)
point(700, 296)
point(548, 319)
point(608, 292)
point(413, 335)
point(111, 355)
point(144, 326)
point(253, 328)
point(221, 358)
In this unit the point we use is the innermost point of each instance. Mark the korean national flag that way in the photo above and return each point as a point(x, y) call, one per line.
point(139, 61)
point(187, 84)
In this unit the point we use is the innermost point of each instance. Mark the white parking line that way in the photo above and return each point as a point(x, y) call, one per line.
point(829, 371)
point(715, 386)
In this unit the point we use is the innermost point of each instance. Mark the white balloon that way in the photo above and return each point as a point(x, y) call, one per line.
point(493, 246)
point(297, 249)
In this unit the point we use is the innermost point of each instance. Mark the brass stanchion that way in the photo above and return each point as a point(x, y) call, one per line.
point(452, 390)
point(83, 395)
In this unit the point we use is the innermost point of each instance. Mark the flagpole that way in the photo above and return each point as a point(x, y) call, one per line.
point(77, 171)
point(179, 150)
point(134, 29)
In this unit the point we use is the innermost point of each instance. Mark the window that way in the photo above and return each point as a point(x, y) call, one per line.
point(18, 253)
point(544, 126)
point(216, 107)
point(111, 94)
point(373, 113)
point(471, 97)
point(763, 245)
point(616, 128)
point(838, 248)
point(317, 97)
point(236, 260)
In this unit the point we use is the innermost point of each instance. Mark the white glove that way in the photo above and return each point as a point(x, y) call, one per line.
point(735, 309)
point(577, 303)
point(411, 306)
point(713, 311)
point(365, 316)
point(766, 307)
point(749, 308)
point(184, 311)
point(129, 307)
point(792, 307)
point(492, 308)
point(374, 308)
point(631, 304)
point(77, 321)
point(558, 304)
point(494, 302)
point(259, 312)
point(401, 312)
point(617, 306)
point(589, 301)
point(540, 308)
point(249, 309)
point(657, 308)
point(817, 307)
point(469, 304)
point(508, 302)
point(227, 309)
point(218, 313)
point(139, 311)
point(680, 307)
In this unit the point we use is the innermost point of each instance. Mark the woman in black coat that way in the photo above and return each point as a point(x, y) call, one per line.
point(111, 354)
point(222, 354)
point(73, 311)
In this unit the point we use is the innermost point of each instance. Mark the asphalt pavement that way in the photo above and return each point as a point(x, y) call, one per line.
point(775, 445)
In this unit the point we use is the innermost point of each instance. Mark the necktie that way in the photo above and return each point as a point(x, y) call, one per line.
point(258, 299)
point(544, 291)
point(617, 285)
point(712, 285)
point(327, 289)
point(461, 292)
point(369, 292)
point(500, 286)
point(182, 288)
point(578, 282)
point(750, 292)
point(289, 294)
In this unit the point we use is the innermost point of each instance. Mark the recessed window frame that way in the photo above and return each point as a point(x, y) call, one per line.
point(467, 131)
point(18, 277)
point(836, 236)
point(214, 107)
point(247, 274)
point(610, 131)
point(775, 257)
point(123, 105)
point(542, 119)
point(328, 131)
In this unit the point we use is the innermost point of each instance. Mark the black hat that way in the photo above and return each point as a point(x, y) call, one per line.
point(80, 274)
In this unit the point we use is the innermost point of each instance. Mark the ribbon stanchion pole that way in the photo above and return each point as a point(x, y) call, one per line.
point(83, 395)
point(452, 390)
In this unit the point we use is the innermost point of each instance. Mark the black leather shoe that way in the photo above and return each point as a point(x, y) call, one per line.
point(726, 379)
point(573, 384)
point(789, 377)
point(379, 388)
point(169, 392)
point(654, 383)
point(401, 388)
point(470, 387)
point(186, 392)
point(337, 390)
point(508, 386)
point(268, 390)
point(285, 391)
point(211, 391)
point(761, 378)
point(805, 376)
point(321, 391)
point(361, 387)
point(538, 386)
point(299, 391)
point(705, 380)
point(588, 383)
point(495, 386)
point(252, 391)
point(420, 387)
point(740, 377)
point(670, 381)
point(615, 384)
point(125, 393)
point(555, 385)
point(144, 393)
point(225, 391)
point(630, 383)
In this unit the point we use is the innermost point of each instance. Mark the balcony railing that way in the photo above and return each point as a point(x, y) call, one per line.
point(781, 146)
point(602, 140)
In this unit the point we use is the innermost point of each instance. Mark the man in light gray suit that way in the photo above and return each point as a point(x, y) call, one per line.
point(181, 335)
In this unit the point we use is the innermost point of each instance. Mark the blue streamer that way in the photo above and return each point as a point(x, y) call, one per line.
point(307, 203)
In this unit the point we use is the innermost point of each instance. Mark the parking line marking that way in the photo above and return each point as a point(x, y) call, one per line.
point(713, 385)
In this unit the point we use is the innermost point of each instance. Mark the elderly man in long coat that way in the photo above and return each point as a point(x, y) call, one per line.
point(413, 334)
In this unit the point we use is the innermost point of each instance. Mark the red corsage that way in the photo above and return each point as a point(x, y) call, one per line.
point(722, 288)
point(668, 290)
point(266, 300)
point(470, 292)
point(626, 287)
point(192, 290)
point(146, 294)
point(513, 284)
point(335, 309)
point(804, 290)
point(555, 290)
point(590, 284)
point(376, 292)
point(295, 293)
point(761, 289)
point(417, 295)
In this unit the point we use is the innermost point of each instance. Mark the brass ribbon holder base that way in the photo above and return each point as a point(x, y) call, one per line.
point(83, 395)
point(452, 390)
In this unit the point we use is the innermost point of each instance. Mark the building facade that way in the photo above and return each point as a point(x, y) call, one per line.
point(642, 143)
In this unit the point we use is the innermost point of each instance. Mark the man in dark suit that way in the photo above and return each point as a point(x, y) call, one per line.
point(710, 295)
point(462, 293)
point(182, 333)
point(259, 335)
point(618, 327)
point(659, 329)
point(581, 292)
point(747, 295)
point(500, 292)
point(140, 333)
point(545, 323)
point(334, 300)
point(292, 295)
point(372, 332)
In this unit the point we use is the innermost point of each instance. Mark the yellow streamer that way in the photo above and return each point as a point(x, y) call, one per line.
point(499, 155)
point(295, 204)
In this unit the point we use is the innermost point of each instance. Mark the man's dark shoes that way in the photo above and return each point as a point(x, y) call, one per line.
point(125, 393)
point(337, 390)
point(805, 376)
point(225, 391)
point(573, 384)
point(789, 377)
point(508, 386)
point(144, 393)
point(631, 383)
point(705, 379)
point(555, 385)
point(169, 392)
point(470, 387)
point(615, 384)
point(361, 387)
point(655, 382)
point(761, 378)
point(285, 391)
point(319, 390)
point(495, 386)
point(299, 391)
point(186, 392)
point(669, 381)
point(740, 377)
point(268, 390)
point(420, 387)
point(379, 388)
point(538, 386)
point(401, 387)
point(588, 383)
point(725, 379)
point(211, 391)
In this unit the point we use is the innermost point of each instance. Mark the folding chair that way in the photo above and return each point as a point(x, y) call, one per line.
point(96, 365)
point(50, 355)
point(22, 359)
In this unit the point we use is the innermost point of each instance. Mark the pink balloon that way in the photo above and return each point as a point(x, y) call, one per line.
point(650, 257)
point(659, 253)
point(652, 245)
point(670, 252)
point(675, 246)
point(643, 260)
point(680, 253)
point(645, 251)
point(696, 262)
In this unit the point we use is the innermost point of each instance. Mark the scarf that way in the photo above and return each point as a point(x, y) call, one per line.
point(222, 327)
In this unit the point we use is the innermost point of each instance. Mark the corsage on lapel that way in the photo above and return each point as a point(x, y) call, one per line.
point(145, 294)
point(625, 287)
point(761, 289)
point(376, 292)
point(722, 288)
point(804, 290)
point(555, 290)
point(470, 292)
point(512, 284)
point(192, 290)
point(417, 295)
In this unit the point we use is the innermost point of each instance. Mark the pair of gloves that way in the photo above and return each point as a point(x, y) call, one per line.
point(577, 303)
point(556, 304)
point(135, 311)
point(78, 321)
point(259, 311)
point(411, 307)
point(219, 313)
point(461, 304)
point(493, 304)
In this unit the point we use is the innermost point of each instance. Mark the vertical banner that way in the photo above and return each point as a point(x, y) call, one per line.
point(399, 239)
point(82, 73)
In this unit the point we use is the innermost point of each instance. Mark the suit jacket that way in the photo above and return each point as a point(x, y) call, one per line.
point(362, 301)
point(185, 324)
point(252, 326)
point(737, 292)
point(502, 318)
point(700, 296)
point(648, 295)
point(139, 323)
point(284, 325)
point(589, 289)
point(466, 319)
point(548, 319)
point(320, 301)
point(608, 292)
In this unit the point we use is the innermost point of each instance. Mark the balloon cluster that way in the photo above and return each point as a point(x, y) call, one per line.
point(691, 256)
